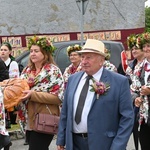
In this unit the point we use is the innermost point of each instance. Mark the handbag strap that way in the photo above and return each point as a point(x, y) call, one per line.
point(4, 86)
point(46, 108)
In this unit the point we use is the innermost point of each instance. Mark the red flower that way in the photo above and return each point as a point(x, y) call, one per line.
point(55, 88)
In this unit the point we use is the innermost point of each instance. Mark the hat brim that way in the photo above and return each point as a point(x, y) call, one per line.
point(91, 51)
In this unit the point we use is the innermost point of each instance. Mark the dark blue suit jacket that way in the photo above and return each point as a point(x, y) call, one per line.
point(111, 117)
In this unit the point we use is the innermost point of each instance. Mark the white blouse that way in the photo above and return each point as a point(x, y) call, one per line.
point(13, 68)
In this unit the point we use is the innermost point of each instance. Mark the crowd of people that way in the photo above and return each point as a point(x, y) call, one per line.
point(99, 108)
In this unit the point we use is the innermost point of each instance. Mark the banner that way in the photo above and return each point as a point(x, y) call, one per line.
point(109, 35)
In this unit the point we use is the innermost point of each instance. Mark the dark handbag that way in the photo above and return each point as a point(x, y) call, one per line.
point(46, 123)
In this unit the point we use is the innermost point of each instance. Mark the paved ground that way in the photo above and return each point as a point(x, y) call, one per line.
point(18, 144)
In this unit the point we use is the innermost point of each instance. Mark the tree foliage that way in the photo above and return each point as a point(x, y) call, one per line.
point(147, 19)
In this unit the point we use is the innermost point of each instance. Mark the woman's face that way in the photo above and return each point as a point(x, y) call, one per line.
point(146, 49)
point(36, 55)
point(4, 52)
point(74, 57)
point(137, 53)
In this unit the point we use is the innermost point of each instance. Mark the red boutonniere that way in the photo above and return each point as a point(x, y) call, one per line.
point(99, 88)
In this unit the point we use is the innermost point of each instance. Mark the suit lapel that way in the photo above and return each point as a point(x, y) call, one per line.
point(104, 79)
point(74, 85)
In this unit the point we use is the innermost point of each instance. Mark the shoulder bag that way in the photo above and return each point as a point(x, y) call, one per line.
point(46, 123)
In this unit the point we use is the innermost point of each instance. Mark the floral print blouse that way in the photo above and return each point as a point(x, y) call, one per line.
point(69, 71)
point(136, 86)
point(2, 115)
point(109, 66)
point(134, 75)
point(49, 79)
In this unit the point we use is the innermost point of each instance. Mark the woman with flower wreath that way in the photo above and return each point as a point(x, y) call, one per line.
point(75, 59)
point(135, 47)
point(107, 64)
point(46, 89)
point(142, 84)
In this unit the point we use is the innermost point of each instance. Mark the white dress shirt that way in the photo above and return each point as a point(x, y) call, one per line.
point(82, 126)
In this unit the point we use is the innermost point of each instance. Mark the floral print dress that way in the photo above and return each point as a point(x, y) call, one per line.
point(2, 115)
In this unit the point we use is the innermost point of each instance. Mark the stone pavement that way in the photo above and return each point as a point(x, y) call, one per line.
point(18, 143)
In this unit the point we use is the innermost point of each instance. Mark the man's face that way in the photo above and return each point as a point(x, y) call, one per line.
point(91, 62)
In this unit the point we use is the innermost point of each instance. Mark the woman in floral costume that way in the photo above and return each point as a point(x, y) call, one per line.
point(132, 72)
point(4, 136)
point(107, 64)
point(142, 85)
point(75, 59)
point(46, 89)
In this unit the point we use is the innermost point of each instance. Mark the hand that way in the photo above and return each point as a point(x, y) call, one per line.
point(145, 90)
point(138, 101)
point(27, 94)
point(59, 147)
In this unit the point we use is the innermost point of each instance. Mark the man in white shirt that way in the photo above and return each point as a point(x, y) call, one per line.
point(101, 119)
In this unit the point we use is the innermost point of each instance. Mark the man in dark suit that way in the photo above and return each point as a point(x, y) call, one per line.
point(105, 120)
point(3, 71)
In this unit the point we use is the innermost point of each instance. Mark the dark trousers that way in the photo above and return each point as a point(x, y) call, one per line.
point(39, 141)
point(135, 129)
point(13, 116)
point(80, 143)
point(144, 136)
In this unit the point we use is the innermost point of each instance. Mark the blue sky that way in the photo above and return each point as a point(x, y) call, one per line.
point(147, 3)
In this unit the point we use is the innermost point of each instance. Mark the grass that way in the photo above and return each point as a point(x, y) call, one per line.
point(14, 127)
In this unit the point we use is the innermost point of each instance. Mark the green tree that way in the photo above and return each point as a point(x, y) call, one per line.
point(147, 19)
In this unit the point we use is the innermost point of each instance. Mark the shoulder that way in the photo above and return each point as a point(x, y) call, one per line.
point(68, 68)
point(2, 63)
point(76, 76)
point(114, 75)
point(13, 63)
point(52, 69)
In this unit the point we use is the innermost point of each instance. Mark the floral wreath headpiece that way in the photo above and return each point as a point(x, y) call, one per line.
point(107, 52)
point(143, 39)
point(42, 42)
point(132, 41)
point(73, 48)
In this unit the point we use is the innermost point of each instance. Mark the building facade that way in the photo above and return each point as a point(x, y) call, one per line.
point(61, 20)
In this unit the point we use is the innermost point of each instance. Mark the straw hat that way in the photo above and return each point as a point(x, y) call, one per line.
point(94, 46)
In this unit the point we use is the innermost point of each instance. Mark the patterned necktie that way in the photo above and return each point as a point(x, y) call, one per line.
point(82, 100)
point(146, 67)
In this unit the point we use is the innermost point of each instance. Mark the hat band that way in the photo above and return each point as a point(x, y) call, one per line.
point(92, 50)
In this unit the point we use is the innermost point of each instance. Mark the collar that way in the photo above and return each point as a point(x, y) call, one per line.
point(146, 61)
point(96, 76)
point(7, 62)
